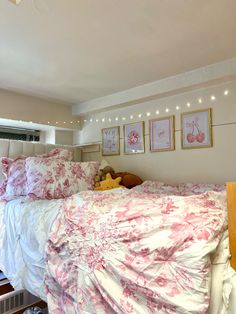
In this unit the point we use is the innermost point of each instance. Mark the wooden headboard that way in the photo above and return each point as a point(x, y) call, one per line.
point(231, 202)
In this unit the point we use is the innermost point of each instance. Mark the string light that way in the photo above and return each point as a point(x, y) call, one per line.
point(124, 118)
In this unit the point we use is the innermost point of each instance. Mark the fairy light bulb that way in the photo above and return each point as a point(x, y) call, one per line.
point(148, 114)
point(213, 97)
point(188, 104)
point(131, 117)
point(167, 109)
point(177, 107)
point(157, 111)
point(140, 115)
point(226, 92)
point(124, 118)
point(200, 100)
point(103, 119)
point(117, 119)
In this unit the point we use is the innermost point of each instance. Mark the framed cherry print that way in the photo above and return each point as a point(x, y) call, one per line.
point(162, 134)
point(134, 138)
point(111, 141)
point(196, 129)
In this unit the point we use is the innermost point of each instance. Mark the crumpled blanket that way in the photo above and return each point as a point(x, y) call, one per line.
point(131, 252)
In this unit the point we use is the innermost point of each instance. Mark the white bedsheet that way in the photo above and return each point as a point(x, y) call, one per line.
point(23, 242)
point(22, 246)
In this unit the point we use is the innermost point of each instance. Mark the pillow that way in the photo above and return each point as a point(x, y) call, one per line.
point(156, 187)
point(187, 189)
point(50, 178)
point(59, 153)
point(14, 171)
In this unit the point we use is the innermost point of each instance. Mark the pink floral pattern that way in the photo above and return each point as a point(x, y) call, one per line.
point(50, 178)
point(136, 255)
point(198, 188)
point(184, 189)
point(15, 172)
point(156, 187)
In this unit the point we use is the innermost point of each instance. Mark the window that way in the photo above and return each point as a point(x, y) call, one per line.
point(19, 134)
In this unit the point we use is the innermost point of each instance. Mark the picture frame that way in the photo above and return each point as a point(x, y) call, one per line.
point(162, 134)
point(111, 141)
point(196, 129)
point(134, 141)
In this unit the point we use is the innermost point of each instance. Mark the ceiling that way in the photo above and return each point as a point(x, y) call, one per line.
point(74, 51)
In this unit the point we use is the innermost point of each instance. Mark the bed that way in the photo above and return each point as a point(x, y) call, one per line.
point(117, 252)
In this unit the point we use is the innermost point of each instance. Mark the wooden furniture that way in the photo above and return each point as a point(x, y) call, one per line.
point(5, 287)
point(231, 203)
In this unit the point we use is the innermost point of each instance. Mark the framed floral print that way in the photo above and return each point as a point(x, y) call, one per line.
point(111, 141)
point(196, 129)
point(162, 134)
point(134, 138)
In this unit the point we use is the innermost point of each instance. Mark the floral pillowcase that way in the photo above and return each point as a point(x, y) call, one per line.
point(14, 171)
point(48, 178)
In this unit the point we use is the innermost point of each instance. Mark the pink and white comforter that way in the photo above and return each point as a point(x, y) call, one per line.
point(133, 252)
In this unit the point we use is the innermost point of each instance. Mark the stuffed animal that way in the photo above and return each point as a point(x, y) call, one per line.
point(109, 183)
point(101, 175)
point(129, 180)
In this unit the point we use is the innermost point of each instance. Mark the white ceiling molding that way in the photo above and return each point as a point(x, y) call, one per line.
point(222, 71)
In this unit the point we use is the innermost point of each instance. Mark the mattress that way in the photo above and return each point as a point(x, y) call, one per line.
point(25, 229)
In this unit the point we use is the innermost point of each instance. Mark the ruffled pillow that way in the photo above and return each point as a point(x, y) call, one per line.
point(49, 178)
point(14, 170)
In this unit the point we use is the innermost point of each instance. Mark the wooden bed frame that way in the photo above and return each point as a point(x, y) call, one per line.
point(231, 202)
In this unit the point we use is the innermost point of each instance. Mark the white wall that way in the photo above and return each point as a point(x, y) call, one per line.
point(216, 164)
point(64, 137)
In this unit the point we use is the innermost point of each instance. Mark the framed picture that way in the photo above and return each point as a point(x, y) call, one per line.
point(111, 141)
point(134, 138)
point(162, 134)
point(196, 129)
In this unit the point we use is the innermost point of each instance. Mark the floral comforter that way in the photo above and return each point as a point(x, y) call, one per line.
point(133, 252)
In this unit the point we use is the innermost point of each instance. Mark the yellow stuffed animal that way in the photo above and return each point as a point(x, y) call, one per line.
point(109, 183)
